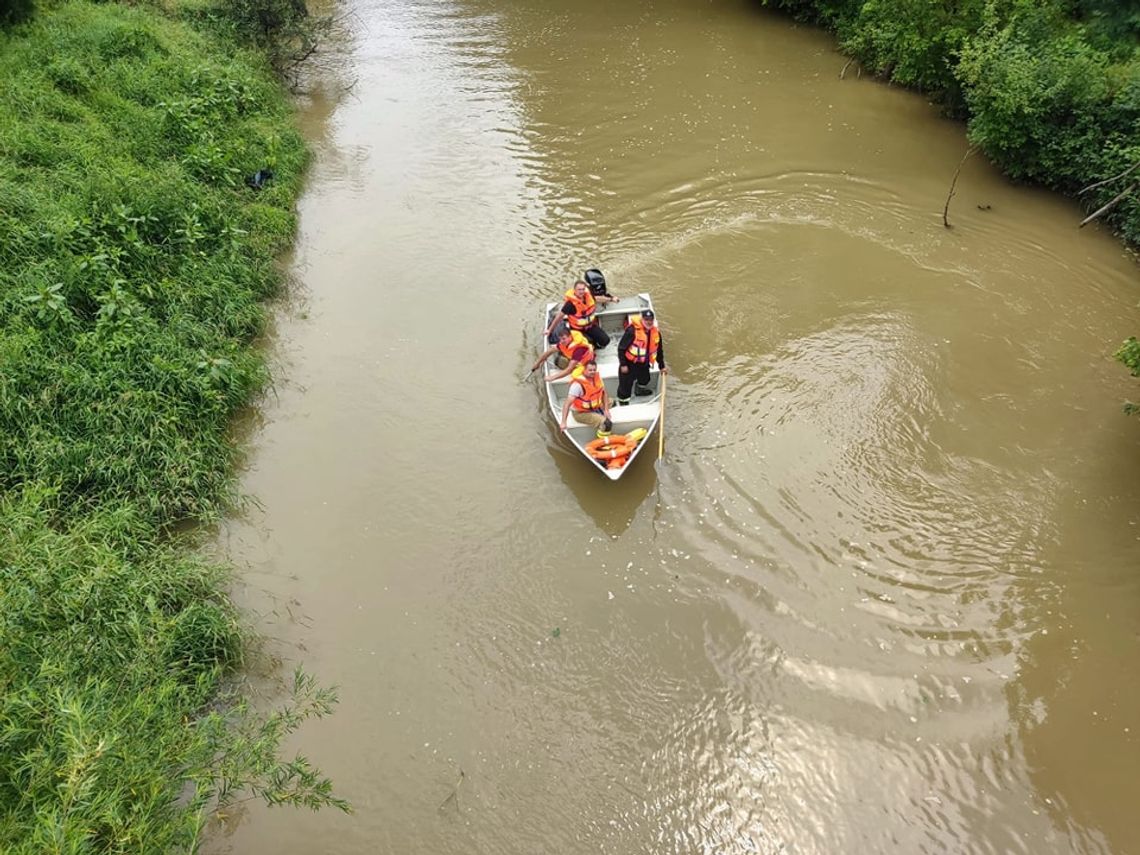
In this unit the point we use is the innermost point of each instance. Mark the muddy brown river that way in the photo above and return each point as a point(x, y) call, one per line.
point(883, 595)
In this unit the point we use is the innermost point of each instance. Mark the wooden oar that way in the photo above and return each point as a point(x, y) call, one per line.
point(657, 465)
point(661, 422)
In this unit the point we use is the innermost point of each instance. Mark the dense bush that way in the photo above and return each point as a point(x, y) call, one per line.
point(15, 11)
point(912, 42)
point(284, 31)
point(1050, 106)
point(1129, 354)
point(133, 259)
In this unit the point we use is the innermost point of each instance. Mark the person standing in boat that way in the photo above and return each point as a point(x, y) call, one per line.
point(587, 401)
point(579, 312)
point(573, 350)
point(640, 347)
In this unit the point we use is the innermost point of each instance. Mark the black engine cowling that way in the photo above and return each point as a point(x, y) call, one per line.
point(597, 282)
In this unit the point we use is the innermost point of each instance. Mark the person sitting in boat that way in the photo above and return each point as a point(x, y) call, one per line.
point(573, 350)
point(639, 347)
point(588, 401)
point(579, 312)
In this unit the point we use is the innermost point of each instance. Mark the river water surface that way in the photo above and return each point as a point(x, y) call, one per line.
point(883, 596)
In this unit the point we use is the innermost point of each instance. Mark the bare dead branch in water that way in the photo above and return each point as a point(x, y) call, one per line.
point(846, 65)
point(454, 796)
point(302, 55)
point(1123, 174)
point(301, 64)
point(953, 185)
point(335, 92)
point(1108, 205)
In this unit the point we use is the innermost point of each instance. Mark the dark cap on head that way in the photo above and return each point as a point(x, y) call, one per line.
point(648, 314)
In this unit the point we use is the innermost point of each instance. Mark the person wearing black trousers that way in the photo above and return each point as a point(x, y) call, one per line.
point(639, 347)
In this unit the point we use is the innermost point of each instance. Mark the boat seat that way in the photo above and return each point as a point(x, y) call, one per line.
point(608, 370)
point(628, 306)
point(612, 311)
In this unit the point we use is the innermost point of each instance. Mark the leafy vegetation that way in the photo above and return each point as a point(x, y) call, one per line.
point(283, 29)
point(133, 263)
point(15, 11)
point(1129, 354)
point(1050, 88)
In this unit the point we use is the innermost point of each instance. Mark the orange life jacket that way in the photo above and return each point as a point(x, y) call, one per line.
point(577, 340)
point(644, 346)
point(583, 310)
point(592, 393)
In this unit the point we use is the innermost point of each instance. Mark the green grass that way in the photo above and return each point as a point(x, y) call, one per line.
point(133, 266)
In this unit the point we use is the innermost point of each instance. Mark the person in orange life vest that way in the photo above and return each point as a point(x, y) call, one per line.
point(573, 350)
point(578, 311)
point(639, 347)
point(588, 401)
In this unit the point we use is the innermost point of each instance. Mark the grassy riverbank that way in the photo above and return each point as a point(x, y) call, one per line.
point(134, 263)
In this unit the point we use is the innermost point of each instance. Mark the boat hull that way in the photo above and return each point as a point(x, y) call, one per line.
point(642, 412)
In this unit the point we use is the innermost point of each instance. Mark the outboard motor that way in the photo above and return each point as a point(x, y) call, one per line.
point(597, 282)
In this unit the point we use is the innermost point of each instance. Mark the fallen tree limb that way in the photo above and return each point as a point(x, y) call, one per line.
point(1108, 205)
point(1126, 172)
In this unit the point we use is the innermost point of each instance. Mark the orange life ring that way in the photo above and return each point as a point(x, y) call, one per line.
point(617, 462)
point(611, 452)
point(594, 444)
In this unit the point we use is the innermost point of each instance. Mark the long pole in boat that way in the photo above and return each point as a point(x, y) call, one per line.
point(661, 421)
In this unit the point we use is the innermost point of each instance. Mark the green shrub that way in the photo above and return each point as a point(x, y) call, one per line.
point(1112, 26)
point(1039, 107)
point(834, 14)
point(283, 29)
point(16, 11)
point(1129, 355)
point(914, 42)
